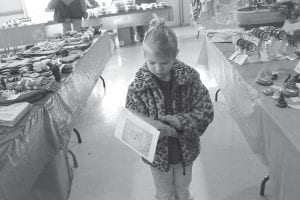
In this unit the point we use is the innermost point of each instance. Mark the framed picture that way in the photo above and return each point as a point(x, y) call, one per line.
point(134, 131)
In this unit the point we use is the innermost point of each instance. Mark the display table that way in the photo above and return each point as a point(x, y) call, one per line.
point(129, 18)
point(33, 155)
point(273, 133)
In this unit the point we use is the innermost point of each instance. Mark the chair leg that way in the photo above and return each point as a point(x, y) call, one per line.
point(78, 135)
point(74, 158)
point(263, 185)
point(216, 95)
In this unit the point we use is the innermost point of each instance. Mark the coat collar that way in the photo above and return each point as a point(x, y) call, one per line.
point(144, 79)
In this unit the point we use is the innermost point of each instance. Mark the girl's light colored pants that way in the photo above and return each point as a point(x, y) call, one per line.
point(173, 185)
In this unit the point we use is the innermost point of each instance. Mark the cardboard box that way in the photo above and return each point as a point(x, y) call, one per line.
point(125, 36)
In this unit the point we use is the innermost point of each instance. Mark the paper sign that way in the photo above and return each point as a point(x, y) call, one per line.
point(237, 58)
point(298, 85)
point(234, 55)
point(137, 133)
point(242, 59)
point(297, 68)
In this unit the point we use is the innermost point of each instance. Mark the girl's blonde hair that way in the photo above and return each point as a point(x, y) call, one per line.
point(160, 38)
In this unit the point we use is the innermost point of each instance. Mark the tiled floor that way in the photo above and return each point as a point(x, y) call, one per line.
point(108, 170)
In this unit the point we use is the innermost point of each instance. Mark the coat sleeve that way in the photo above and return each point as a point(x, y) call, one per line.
point(202, 114)
point(134, 102)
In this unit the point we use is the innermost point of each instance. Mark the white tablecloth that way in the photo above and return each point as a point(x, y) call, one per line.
point(273, 133)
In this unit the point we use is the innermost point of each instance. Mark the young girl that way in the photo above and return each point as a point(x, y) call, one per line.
point(171, 92)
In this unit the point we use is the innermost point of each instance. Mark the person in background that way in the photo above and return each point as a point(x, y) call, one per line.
point(171, 93)
point(140, 30)
point(69, 12)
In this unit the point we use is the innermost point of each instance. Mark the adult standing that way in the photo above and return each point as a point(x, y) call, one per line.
point(140, 30)
point(69, 12)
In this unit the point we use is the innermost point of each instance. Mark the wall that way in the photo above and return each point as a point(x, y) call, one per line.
point(181, 12)
point(10, 10)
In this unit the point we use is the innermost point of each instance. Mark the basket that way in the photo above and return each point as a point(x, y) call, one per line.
point(253, 17)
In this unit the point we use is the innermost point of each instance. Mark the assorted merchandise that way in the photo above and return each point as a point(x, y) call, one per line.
point(281, 102)
point(286, 94)
point(265, 44)
point(15, 23)
point(122, 6)
point(37, 69)
point(119, 6)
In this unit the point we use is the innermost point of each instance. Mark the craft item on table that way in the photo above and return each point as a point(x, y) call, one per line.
point(297, 78)
point(63, 53)
point(277, 33)
point(246, 45)
point(12, 114)
point(290, 88)
point(77, 45)
point(245, 49)
point(221, 36)
point(41, 66)
point(56, 72)
point(268, 92)
point(162, 4)
point(297, 68)
point(16, 63)
point(264, 81)
point(70, 58)
point(274, 75)
point(281, 102)
point(42, 48)
point(261, 34)
point(6, 58)
point(66, 68)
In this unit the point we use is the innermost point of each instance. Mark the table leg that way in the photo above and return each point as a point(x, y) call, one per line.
point(78, 135)
point(216, 95)
point(263, 185)
point(74, 158)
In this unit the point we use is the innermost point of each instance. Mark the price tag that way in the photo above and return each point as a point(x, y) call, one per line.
point(292, 57)
point(295, 99)
point(242, 59)
point(234, 55)
point(297, 68)
point(264, 56)
point(237, 58)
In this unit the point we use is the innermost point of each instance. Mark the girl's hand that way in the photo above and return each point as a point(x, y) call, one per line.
point(165, 130)
point(172, 120)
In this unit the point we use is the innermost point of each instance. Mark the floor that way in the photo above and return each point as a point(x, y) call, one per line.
point(108, 170)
